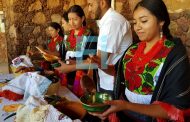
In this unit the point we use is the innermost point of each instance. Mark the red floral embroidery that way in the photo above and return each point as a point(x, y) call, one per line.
point(163, 53)
point(146, 90)
point(127, 57)
point(152, 64)
point(73, 40)
point(137, 75)
point(133, 50)
point(54, 41)
point(133, 76)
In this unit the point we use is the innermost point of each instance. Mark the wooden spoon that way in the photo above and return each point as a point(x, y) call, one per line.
point(87, 82)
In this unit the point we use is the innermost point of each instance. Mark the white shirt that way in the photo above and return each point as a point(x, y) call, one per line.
point(114, 37)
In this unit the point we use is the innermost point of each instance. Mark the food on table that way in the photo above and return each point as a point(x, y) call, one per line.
point(50, 57)
point(11, 107)
point(2, 84)
point(23, 69)
point(46, 56)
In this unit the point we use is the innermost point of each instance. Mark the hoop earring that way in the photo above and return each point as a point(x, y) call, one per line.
point(161, 34)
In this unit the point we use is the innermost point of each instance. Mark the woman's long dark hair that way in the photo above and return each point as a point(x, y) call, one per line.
point(79, 11)
point(159, 10)
point(57, 26)
point(65, 16)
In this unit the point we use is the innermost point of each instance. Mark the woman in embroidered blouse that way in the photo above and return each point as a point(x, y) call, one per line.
point(77, 21)
point(77, 41)
point(56, 37)
point(56, 33)
point(154, 71)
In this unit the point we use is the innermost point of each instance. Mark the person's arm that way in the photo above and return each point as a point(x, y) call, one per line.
point(100, 59)
point(66, 68)
point(110, 41)
point(152, 110)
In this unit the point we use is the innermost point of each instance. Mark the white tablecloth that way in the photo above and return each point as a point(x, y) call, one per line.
point(4, 114)
point(63, 91)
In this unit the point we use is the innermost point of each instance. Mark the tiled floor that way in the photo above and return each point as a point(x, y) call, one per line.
point(4, 68)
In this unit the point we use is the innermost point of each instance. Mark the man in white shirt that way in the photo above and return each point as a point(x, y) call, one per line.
point(114, 38)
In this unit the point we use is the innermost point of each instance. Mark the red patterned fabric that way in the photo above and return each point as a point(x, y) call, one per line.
point(140, 69)
point(113, 118)
point(63, 79)
point(140, 59)
point(11, 95)
point(72, 38)
point(54, 42)
point(174, 113)
point(77, 87)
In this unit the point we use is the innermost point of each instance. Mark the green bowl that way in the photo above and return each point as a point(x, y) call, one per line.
point(94, 102)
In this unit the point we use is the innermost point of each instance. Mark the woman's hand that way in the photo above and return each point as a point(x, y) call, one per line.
point(71, 62)
point(95, 59)
point(65, 68)
point(115, 106)
point(109, 69)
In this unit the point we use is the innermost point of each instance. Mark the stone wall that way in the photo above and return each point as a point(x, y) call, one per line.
point(180, 27)
point(3, 48)
point(26, 21)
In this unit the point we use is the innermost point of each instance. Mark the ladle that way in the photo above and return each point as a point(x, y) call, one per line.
point(87, 82)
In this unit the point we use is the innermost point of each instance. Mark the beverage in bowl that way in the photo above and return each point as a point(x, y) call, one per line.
point(95, 102)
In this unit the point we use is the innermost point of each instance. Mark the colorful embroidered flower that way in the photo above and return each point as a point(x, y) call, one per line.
point(152, 64)
point(127, 57)
point(133, 77)
point(133, 50)
point(163, 53)
point(138, 77)
point(146, 90)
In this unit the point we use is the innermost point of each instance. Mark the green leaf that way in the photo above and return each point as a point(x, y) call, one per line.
point(137, 90)
point(148, 78)
point(149, 69)
point(160, 59)
point(169, 43)
point(146, 84)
